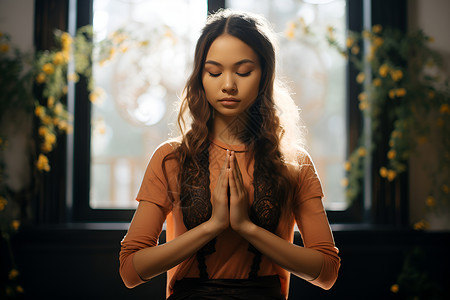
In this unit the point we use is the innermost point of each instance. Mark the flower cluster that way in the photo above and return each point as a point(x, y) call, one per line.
point(52, 76)
point(403, 84)
point(48, 71)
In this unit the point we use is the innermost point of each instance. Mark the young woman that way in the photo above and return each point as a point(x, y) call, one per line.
point(233, 186)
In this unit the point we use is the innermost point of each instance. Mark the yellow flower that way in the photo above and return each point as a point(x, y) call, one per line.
point(355, 50)
point(422, 224)
point(430, 201)
point(391, 154)
point(50, 138)
point(66, 40)
point(290, 34)
point(363, 105)
point(40, 78)
point(3, 203)
point(112, 52)
point(362, 151)
point(445, 109)
point(344, 182)
point(58, 108)
point(46, 119)
point(330, 30)
point(65, 89)
point(391, 143)
point(392, 94)
point(396, 134)
point(58, 58)
point(394, 288)
point(377, 28)
point(42, 163)
point(73, 77)
point(42, 130)
point(445, 188)
point(62, 125)
point(396, 75)
point(377, 82)
point(46, 147)
point(383, 70)
point(15, 224)
point(19, 289)
point(48, 69)
point(366, 34)
point(50, 101)
point(362, 96)
point(347, 166)
point(13, 274)
point(383, 172)
point(400, 92)
point(97, 96)
point(4, 48)
point(39, 111)
point(360, 77)
point(377, 42)
point(391, 174)
point(349, 42)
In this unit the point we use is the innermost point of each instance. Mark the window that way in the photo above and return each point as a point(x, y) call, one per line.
point(139, 88)
point(316, 75)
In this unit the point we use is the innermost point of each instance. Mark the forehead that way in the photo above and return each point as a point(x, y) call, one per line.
point(227, 50)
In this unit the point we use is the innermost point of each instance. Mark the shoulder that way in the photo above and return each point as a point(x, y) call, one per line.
point(304, 166)
point(166, 148)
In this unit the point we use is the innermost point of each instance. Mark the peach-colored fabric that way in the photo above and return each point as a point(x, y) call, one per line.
point(232, 258)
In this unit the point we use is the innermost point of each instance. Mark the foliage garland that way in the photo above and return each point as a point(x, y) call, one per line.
point(402, 77)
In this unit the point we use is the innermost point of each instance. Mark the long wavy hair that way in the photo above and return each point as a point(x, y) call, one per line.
point(273, 143)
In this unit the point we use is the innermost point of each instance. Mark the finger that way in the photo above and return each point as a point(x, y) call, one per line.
point(236, 169)
point(232, 183)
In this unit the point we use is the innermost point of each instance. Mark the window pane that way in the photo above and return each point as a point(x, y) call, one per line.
point(139, 86)
point(316, 75)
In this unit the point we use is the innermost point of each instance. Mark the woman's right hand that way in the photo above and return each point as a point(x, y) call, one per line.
point(219, 200)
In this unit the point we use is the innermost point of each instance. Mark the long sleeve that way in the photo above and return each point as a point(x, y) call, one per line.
point(154, 206)
point(144, 232)
point(313, 224)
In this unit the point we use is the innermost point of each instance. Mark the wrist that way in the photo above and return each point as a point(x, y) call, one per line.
point(214, 227)
point(245, 228)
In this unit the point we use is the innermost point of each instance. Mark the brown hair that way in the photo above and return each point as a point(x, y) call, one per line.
point(263, 130)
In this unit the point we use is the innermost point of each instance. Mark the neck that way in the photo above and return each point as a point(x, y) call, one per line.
point(228, 129)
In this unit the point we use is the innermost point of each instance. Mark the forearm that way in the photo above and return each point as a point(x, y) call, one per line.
point(152, 261)
point(303, 262)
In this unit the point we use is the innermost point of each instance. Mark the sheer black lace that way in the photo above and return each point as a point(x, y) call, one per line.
point(196, 206)
point(196, 202)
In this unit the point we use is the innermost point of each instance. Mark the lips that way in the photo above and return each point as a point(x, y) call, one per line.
point(229, 101)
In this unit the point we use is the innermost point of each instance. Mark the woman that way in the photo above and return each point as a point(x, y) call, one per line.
point(233, 185)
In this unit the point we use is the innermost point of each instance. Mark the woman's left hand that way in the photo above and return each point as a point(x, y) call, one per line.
point(239, 202)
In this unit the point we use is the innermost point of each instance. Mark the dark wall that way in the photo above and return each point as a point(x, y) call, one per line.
point(82, 263)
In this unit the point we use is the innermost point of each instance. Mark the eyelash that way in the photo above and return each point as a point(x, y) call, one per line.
point(239, 74)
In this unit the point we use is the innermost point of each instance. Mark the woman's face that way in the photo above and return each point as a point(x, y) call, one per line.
point(231, 76)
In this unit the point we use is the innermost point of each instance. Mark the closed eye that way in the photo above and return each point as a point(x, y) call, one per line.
point(244, 74)
point(214, 74)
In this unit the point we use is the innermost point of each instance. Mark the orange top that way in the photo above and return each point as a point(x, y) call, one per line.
point(232, 259)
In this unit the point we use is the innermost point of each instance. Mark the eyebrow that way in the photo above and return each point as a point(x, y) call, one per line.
point(243, 61)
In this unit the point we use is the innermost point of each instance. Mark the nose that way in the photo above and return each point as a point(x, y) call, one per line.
point(229, 84)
